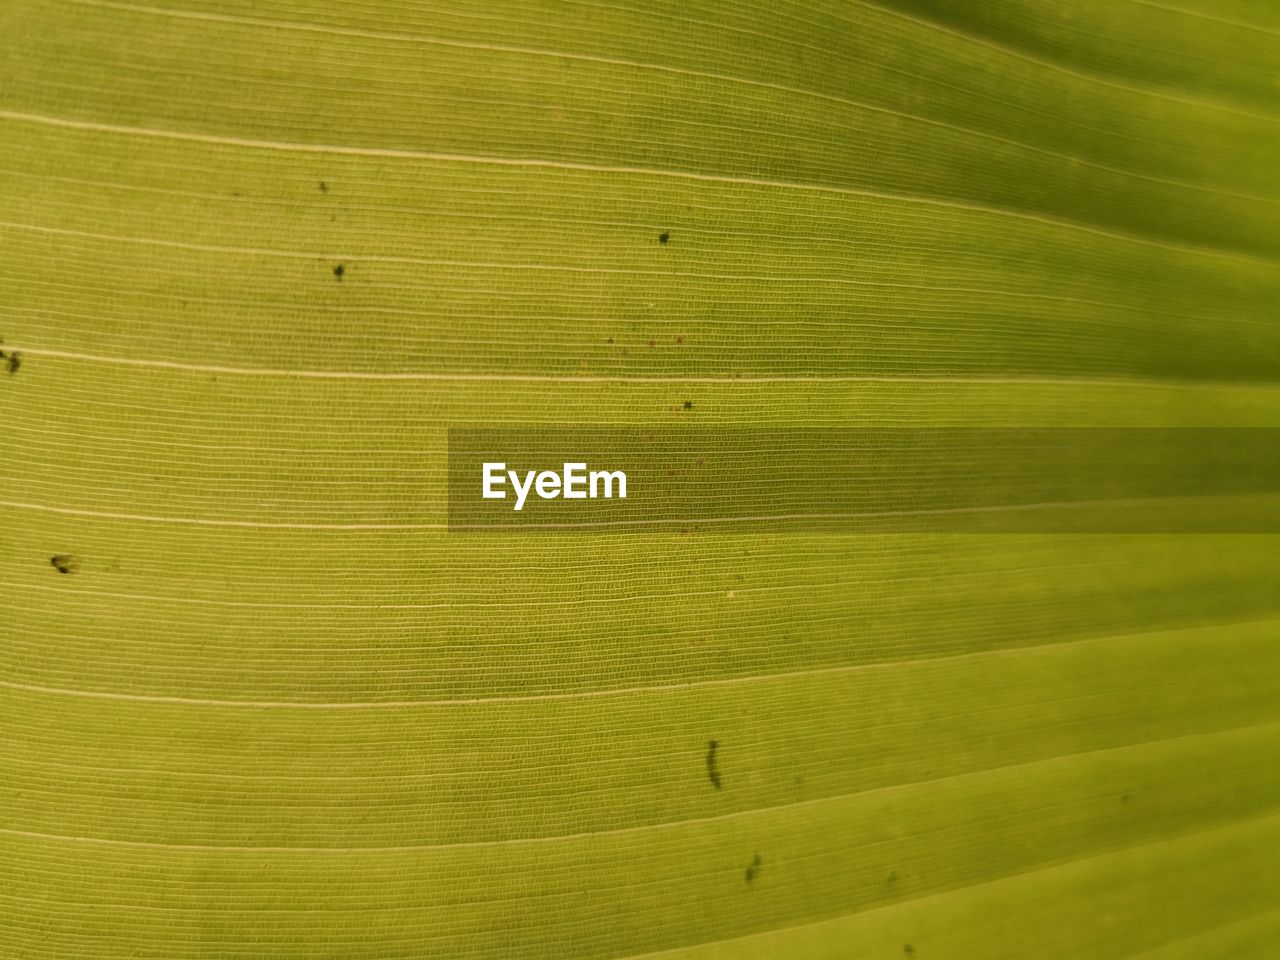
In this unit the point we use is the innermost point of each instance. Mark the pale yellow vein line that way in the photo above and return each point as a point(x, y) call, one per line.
point(464, 377)
point(852, 515)
point(497, 264)
point(464, 605)
point(674, 522)
point(656, 67)
point(685, 949)
point(205, 522)
point(624, 170)
point(1214, 931)
point(1201, 15)
point(888, 789)
point(1029, 57)
point(1047, 649)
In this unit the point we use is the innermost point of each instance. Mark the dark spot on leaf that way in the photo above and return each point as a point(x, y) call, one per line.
point(653, 343)
point(339, 270)
point(909, 950)
point(610, 340)
point(1125, 798)
point(752, 870)
point(713, 772)
point(664, 237)
point(324, 187)
point(688, 404)
point(12, 362)
point(64, 563)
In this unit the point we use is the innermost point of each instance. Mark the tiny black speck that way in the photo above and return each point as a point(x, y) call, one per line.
point(12, 362)
point(324, 187)
point(752, 870)
point(664, 237)
point(908, 949)
point(63, 563)
point(339, 270)
point(688, 404)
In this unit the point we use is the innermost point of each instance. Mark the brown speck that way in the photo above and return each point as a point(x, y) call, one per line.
point(909, 950)
point(64, 563)
point(324, 187)
point(752, 870)
point(339, 270)
point(713, 772)
point(679, 339)
point(664, 237)
point(688, 404)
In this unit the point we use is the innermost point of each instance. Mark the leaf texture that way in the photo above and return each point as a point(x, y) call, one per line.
point(258, 256)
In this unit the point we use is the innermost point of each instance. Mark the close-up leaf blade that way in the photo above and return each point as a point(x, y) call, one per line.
point(259, 700)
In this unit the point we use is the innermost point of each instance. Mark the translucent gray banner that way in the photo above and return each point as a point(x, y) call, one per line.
point(989, 480)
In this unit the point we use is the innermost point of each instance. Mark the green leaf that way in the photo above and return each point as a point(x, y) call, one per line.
point(258, 255)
